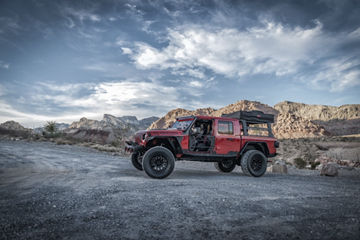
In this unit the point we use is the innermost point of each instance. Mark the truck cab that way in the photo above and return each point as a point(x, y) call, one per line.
point(241, 138)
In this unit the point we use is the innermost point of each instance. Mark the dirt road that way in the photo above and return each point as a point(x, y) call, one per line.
point(68, 192)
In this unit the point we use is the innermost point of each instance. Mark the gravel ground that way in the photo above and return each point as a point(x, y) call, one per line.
point(49, 191)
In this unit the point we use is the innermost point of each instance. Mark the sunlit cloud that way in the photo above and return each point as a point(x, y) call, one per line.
point(270, 49)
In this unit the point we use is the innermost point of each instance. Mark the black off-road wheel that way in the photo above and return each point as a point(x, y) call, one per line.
point(254, 163)
point(158, 162)
point(136, 160)
point(225, 166)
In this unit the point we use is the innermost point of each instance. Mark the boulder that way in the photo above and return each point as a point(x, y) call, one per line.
point(278, 167)
point(319, 167)
point(330, 170)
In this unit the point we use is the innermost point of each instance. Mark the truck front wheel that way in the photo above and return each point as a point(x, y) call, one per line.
point(136, 160)
point(158, 162)
point(254, 163)
point(225, 165)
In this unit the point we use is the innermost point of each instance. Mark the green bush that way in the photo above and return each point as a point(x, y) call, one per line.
point(51, 127)
point(51, 130)
point(314, 164)
point(300, 163)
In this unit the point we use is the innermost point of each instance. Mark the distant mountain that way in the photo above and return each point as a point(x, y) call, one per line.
point(14, 129)
point(12, 125)
point(111, 122)
point(293, 120)
point(109, 129)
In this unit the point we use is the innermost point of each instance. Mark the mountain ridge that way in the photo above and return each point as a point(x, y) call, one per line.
point(292, 120)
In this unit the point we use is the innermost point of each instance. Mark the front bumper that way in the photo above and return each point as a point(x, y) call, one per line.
point(131, 147)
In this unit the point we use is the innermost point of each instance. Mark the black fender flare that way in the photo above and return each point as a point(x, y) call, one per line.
point(174, 144)
point(263, 147)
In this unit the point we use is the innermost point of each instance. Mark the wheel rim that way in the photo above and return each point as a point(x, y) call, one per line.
point(227, 163)
point(158, 163)
point(256, 163)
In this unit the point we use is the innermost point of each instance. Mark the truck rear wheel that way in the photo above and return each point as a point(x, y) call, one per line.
point(136, 160)
point(225, 166)
point(158, 162)
point(254, 163)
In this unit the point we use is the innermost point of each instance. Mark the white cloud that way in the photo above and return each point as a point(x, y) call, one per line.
point(7, 112)
point(336, 74)
point(126, 50)
point(126, 97)
point(270, 49)
point(81, 15)
point(196, 84)
point(4, 65)
point(69, 88)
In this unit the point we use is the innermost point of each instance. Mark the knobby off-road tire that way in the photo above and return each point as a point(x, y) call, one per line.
point(136, 160)
point(158, 162)
point(254, 163)
point(225, 165)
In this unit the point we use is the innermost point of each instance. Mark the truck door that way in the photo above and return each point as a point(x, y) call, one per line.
point(227, 137)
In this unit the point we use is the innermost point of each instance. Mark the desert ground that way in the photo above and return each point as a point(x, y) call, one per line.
point(50, 191)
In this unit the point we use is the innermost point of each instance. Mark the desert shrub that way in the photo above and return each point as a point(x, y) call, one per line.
point(51, 127)
point(300, 163)
point(314, 164)
point(51, 130)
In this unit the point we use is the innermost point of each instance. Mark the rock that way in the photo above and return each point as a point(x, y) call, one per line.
point(319, 167)
point(330, 170)
point(278, 167)
point(347, 163)
point(14, 130)
point(289, 125)
point(12, 125)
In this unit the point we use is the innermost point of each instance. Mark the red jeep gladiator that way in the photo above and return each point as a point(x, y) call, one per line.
point(240, 138)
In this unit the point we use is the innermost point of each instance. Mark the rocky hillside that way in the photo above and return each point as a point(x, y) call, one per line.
point(109, 129)
point(343, 120)
point(289, 125)
point(293, 120)
point(12, 125)
point(14, 129)
point(319, 112)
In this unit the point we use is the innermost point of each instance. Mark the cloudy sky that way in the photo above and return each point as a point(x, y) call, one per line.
point(62, 60)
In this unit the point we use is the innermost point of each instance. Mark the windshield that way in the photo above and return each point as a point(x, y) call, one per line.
point(182, 124)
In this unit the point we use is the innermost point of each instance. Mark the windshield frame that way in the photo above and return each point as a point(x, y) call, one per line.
point(190, 120)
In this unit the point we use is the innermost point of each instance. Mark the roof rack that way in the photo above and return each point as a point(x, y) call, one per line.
point(251, 116)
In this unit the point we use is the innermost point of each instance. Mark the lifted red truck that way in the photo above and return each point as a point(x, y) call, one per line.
point(240, 138)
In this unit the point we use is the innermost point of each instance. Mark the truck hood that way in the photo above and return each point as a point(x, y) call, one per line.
point(140, 135)
point(163, 132)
